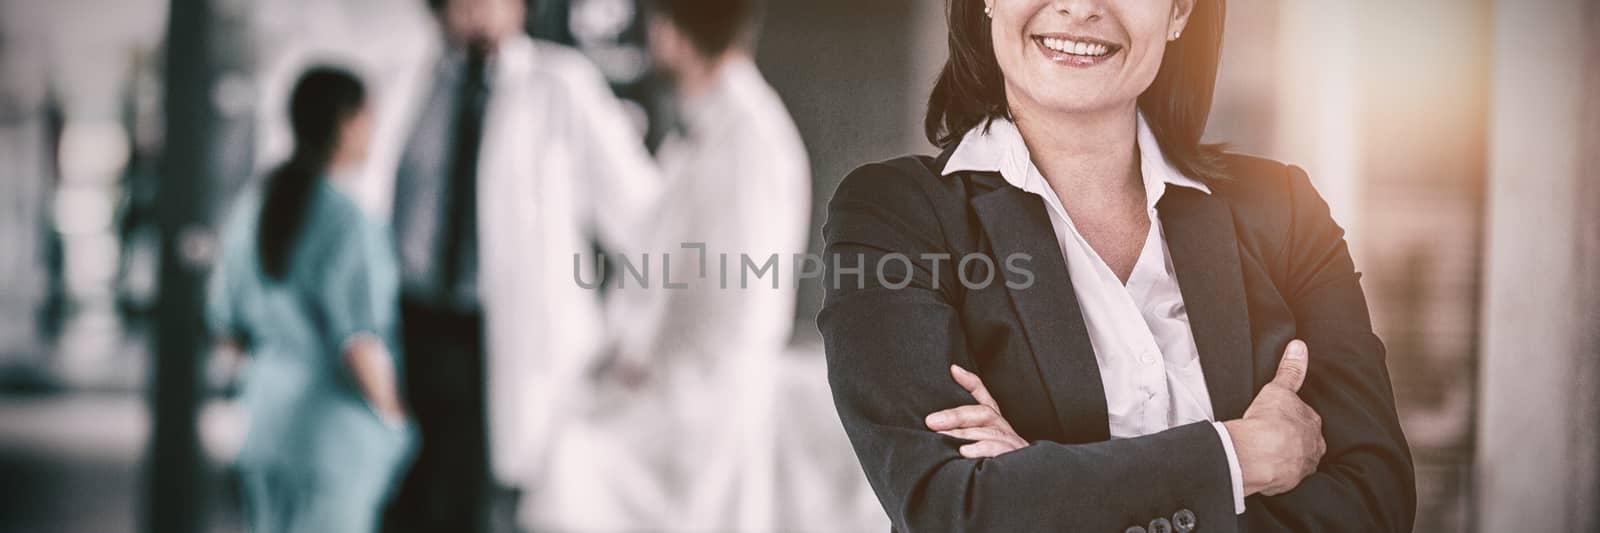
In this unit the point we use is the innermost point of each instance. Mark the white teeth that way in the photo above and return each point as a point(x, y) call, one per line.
point(1075, 47)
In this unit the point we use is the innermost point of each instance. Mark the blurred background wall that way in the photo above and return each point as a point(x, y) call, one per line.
point(1455, 139)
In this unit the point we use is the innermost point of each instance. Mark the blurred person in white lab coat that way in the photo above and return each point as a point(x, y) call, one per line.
point(508, 161)
point(686, 443)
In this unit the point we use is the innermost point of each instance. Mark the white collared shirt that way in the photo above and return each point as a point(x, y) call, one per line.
point(737, 183)
point(1149, 365)
point(693, 445)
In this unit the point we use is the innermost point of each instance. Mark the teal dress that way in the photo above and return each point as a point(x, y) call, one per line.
point(316, 457)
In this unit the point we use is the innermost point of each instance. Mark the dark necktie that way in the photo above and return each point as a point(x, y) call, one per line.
point(460, 258)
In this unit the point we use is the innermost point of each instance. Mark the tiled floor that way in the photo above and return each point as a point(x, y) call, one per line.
point(70, 463)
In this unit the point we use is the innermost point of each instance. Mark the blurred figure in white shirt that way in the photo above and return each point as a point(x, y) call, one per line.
point(686, 440)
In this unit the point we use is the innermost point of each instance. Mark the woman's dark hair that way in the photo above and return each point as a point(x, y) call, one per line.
point(971, 89)
point(323, 99)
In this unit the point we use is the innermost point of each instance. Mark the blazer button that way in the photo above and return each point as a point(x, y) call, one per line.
point(1135, 529)
point(1160, 525)
point(1183, 521)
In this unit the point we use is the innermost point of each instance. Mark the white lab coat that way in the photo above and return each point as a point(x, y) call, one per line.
point(692, 449)
point(560, 166)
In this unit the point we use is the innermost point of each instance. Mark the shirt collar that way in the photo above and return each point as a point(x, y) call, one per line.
point(999, 148)
point(712, 108)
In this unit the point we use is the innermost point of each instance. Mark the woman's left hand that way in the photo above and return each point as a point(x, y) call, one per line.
point(982, 423)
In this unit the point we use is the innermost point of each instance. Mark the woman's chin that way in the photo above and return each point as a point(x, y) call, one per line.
point(1081, 104)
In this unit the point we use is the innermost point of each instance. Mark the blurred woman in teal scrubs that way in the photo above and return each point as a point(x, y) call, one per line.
point(307, 288)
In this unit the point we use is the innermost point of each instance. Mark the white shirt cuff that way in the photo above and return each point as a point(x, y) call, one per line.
point(1235, 475)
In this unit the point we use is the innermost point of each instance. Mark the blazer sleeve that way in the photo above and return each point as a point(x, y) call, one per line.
point(1365, 481)
point(889, 350)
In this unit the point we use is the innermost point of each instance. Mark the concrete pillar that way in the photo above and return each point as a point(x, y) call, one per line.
point(174, 498)
point(1539, 414)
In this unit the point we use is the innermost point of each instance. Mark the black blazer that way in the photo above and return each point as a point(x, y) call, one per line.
point(1259, 262)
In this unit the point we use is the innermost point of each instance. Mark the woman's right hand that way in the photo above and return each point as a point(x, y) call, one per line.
point(1279, 440)
point(983, 424)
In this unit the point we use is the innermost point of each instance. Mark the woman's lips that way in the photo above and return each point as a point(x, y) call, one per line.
point(1075, 51)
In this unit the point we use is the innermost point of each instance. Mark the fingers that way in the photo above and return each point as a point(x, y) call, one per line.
point(966, 416)
point(974, 385)
point(1307, 465)
point(980, 433)
point(981, 423)
point(1313, 417)
point(987, 441)
point(1292, 369)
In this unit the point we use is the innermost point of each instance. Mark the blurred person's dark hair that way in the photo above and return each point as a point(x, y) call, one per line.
point(437, 5)
point(323, 99)
point(971, 89)
point(713, 26)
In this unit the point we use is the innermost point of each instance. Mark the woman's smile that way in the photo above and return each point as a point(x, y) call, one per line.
point(1075, 51)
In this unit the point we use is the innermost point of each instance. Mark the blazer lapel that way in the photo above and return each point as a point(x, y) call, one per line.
point(1016, 223)
point(1205, 254)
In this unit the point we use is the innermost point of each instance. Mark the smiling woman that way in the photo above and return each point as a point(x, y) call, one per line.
point(1177, 101)
point(1193, 351)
